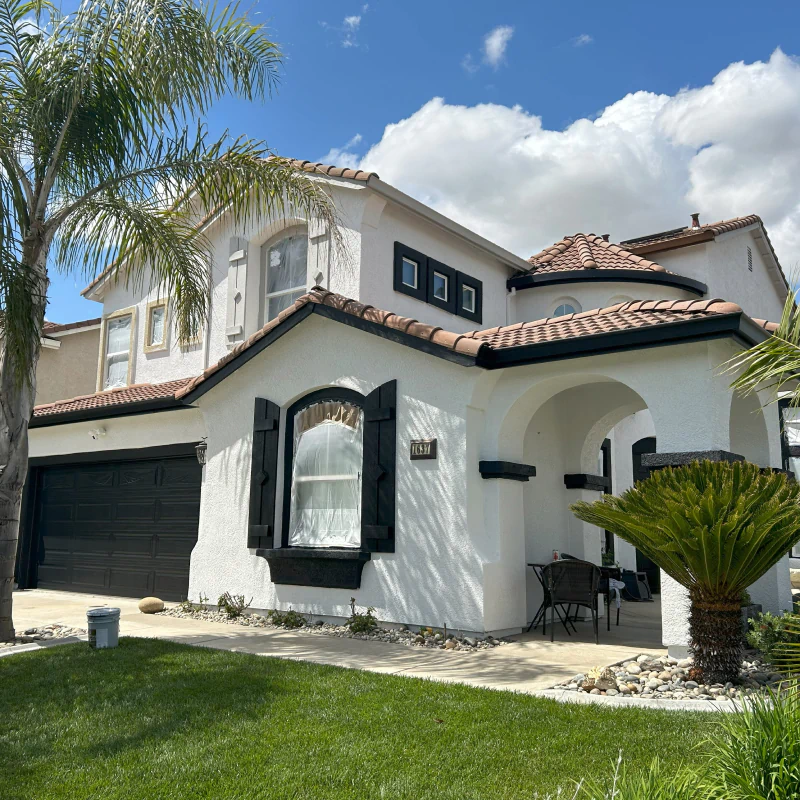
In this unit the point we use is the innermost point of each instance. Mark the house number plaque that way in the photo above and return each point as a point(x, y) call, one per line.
point(423, 449)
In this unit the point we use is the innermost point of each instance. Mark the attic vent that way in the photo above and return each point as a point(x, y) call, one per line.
point(749, 259)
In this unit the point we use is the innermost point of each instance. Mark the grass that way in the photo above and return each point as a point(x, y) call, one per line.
point(157, 720)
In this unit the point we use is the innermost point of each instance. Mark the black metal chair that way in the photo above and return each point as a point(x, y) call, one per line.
point(606, 573)
point(572, 583)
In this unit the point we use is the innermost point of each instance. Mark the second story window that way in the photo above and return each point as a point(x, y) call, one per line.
point(117, 356)
point(286, 270)
point(155, 335)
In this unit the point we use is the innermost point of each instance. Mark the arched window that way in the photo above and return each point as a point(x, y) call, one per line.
point(566, 307)
point(284, 262)
point(325, 502)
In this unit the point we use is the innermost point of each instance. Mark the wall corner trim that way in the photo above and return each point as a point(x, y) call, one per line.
point(506, 469)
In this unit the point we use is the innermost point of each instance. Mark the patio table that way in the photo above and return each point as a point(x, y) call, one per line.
point(539, 616)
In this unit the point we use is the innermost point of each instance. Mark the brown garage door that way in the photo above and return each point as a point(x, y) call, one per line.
point(125, 528)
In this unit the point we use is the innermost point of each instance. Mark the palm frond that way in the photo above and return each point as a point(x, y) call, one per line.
point(774, 363)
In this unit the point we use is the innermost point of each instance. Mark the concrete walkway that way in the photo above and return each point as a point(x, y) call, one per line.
point(529, 664)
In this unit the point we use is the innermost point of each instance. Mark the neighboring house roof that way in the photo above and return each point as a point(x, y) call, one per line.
point(139, 396)
point(334, 172)
point(587, 251)
point(625, 326)
point(50, 328)
point(683, 236)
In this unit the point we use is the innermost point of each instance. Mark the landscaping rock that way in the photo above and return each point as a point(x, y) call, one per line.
point(151, 605)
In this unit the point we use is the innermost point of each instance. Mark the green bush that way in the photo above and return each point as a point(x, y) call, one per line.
point(232, 605)
point(655, 784)
point(769, 633)
point(287, 619)
point(361, 623)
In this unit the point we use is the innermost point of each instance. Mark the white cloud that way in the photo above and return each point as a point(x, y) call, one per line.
point(352, 23)
point(495, 43)
point(583, 39)
point(644, 164)
point(344, 156)
point(349, 28)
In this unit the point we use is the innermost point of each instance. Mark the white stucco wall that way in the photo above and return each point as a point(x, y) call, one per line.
point(120, 433)
point(435, 576)
point(722, 266)
point(541, 301)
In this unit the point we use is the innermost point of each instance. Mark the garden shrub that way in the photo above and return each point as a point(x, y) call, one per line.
point(361, 623)
point(233, 605)
point(287, 619)
point(769, 633)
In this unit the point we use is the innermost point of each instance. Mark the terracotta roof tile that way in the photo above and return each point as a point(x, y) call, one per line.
point(587, 251)
point(712, 228)
point(137, 393)
point(621, 317)
point(458, 343)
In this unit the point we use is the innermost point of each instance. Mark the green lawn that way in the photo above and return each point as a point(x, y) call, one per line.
point(156, 720)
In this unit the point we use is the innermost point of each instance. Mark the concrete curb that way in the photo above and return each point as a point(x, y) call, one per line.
point(33, 646)
point(581, 698)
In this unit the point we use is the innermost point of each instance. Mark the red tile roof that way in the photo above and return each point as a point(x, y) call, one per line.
point(126, 395)
point(54, 327)
point(587, 251)
point(620, 317)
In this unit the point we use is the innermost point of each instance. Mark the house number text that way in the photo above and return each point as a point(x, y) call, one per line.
point(422, 449)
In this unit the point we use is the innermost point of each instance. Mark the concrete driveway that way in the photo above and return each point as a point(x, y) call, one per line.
point(528, 664)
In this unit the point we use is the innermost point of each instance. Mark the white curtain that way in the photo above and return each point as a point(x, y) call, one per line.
point(325, 506)
point(118, 344)
point(286, 269)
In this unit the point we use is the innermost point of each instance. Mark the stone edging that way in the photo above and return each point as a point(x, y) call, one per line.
point(33, 646)
point(566, 696)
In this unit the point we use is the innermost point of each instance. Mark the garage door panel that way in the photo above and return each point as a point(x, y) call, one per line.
point(93, 512)
point(139, 510)
point(103, 479)
point(126, 528)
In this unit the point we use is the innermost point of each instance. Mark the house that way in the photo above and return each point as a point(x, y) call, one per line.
point(400, 411)
point(67, 360)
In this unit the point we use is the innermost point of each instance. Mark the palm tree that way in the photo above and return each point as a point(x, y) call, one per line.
point(715, 528)
point(98, 164)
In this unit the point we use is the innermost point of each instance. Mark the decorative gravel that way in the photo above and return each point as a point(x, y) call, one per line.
point(44, 633)
point(664, 678)
point(425, 637)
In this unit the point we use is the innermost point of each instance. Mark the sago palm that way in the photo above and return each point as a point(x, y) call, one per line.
point(103, 158)
point(715, 528)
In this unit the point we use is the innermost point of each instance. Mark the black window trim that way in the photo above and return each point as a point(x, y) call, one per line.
point(334, 394)
point(402, 251)
point(424, 290)
point(463, 280)
point(449, 304)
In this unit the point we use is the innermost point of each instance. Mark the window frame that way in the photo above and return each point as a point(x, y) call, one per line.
point(265, 296)
point(476, 285)
point(149, 347)
point(102, 366)
point(448, 304)
point(420, 292)
point(333, 394)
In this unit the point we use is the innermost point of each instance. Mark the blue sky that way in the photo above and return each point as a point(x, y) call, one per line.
point(353, 68)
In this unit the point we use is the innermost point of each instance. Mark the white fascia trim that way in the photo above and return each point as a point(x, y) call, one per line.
point(50, 344)
point(416, 207)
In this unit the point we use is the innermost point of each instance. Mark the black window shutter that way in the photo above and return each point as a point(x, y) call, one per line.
point(263, 472)
point(378, 478)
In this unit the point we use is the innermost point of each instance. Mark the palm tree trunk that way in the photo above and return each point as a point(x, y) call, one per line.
point(715, 633)
point(16, 407)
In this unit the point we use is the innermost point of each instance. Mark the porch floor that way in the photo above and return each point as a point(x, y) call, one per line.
point(528, 664)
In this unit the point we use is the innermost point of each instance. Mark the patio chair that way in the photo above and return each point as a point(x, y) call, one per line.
point(572, 583)
point(606, 574)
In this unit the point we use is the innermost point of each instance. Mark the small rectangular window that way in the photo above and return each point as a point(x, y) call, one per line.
point(117, 351)
point(468, 299)
point(410, 273)
point(441, 288)
point(155, 333)
point(749, 259)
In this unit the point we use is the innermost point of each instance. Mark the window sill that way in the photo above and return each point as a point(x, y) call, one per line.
point(329, 568)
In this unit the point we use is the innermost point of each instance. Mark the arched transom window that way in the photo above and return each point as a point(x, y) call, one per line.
point(325, 505)
point(284, 262)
